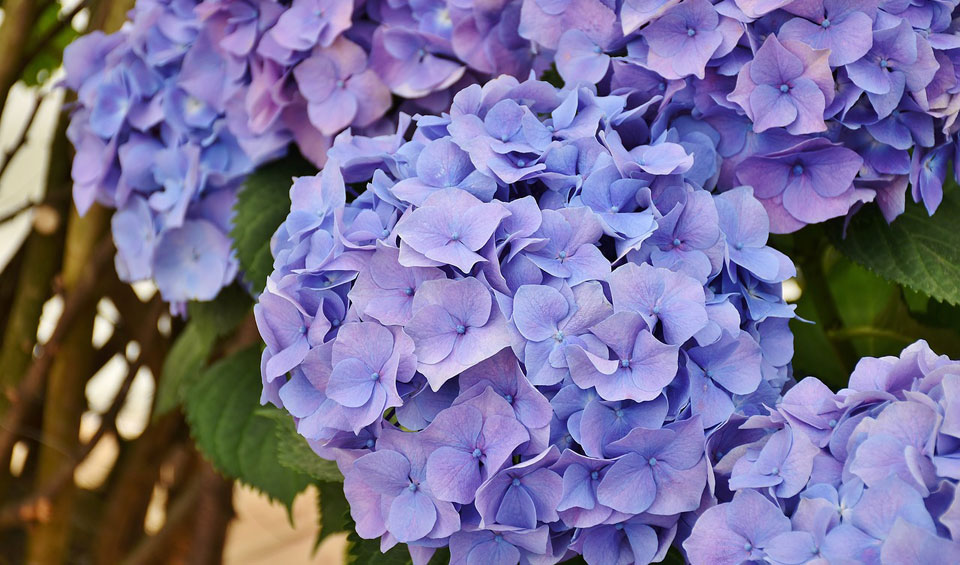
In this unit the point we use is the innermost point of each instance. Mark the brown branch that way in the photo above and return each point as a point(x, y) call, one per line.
point(21, 139)
point(36, 507)
point(31, 386)
point(18, 19)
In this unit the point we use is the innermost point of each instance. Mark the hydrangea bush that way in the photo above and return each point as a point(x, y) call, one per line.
point(493, 349)
point(864, 475)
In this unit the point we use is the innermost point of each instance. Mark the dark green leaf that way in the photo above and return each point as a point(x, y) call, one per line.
point(294, 452)
point(916, 250)
point(334, 511)
point(367, 552)
point(262, 205)
point(183, 364)
point(220, 316)
point(208, 321)
point(222, 408)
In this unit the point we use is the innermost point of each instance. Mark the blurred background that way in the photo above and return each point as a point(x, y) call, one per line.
point(87, 474)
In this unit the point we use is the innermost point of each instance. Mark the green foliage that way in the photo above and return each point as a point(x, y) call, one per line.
point(552, 76)
point(367, 552)
point(334, 511)
point(916, 250)
point(872, 316)
point(294, 452)
point(50, 56)
point(262, 205)
point(222, 408)
point(208, 321)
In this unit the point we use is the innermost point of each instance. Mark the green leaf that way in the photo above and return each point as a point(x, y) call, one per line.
point(262, 205)
point(222, 408)
point(188, 356)
point(334, 511)
point(916, 250)
point(183, 365)
point(220, 316)
point(367, 552)
point(294, 452)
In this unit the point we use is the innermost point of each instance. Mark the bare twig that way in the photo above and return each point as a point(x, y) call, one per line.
point(31, 386)
point(21, 139)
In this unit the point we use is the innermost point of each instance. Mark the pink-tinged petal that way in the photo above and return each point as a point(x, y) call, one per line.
point(678, 490)
point(334, 113)
point(712, 541)
point(809, 102)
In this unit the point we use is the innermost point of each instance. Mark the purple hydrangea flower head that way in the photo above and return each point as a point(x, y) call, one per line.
point(788, 84)
point(521, 380)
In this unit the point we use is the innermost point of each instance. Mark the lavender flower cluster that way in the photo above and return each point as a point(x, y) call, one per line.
point(820, 105)
point(189, 97)
point(865, 475)
point(517, 335)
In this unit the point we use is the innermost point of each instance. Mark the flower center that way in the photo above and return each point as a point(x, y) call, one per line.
point(335, 323)
point(709, 373)
point(825, 23)
point(656, 310)
point(374, 376)
point(619, 413)
point(798, 170)
point(832, 423)
point(412, 487)
point(618, 527)
point(455, 236)
point(340, 83)
point(521, 163)
point(775, 471)
point(624, 363)
point(739, 246)
point(691, 32)
point(597, 49)
point(515, 482)
point(747, 546)
point(653, 461)
point(508, 398)
point(884, 63)
point(594, 475)
point(408, 291)
point(559, 336)
point(477, 453)
point(784, 87)
point(662, 87)
point(562, 255)
point(368, 443)
point(676, 243)
point(614, 209)
point(461, 329)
